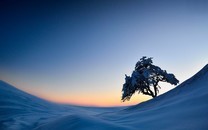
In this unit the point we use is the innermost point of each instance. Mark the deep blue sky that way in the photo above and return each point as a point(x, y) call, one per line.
point(78, 51)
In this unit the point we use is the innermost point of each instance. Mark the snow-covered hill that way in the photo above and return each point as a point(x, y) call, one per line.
point(183, 108)
point(22, 111)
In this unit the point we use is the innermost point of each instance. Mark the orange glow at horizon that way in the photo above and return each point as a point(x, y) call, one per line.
point(95, 100)
point(89, 99)
point(100, 99)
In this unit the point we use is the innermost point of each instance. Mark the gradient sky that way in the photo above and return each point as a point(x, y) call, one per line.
point(79, 51)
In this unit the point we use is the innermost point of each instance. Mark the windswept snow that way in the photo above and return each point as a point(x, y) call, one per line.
point(183, 108)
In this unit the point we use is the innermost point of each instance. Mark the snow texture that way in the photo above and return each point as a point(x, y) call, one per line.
point(183, 108)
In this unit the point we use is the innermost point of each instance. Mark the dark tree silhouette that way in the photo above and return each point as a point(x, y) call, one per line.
point(145, 79)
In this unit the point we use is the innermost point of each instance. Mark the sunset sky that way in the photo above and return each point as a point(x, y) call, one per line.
point(79, 51)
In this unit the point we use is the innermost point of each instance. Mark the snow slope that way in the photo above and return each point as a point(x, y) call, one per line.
point(183, 108)
point(22, 111)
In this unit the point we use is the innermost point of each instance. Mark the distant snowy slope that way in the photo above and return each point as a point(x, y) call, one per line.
point(11, 96)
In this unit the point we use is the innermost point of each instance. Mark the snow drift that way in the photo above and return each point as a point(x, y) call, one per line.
point(185, 107)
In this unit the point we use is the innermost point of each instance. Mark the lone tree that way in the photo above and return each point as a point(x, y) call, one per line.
point(145, 79)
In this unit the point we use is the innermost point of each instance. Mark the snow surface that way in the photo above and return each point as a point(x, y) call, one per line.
point(183, 108)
